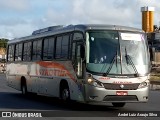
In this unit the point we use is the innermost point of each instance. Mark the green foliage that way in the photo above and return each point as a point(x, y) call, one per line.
point(3, 43)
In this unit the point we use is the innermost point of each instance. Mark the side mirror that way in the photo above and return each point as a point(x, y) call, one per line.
point(153, 53)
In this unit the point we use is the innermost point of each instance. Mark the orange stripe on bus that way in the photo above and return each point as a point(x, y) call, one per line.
point(54, 65)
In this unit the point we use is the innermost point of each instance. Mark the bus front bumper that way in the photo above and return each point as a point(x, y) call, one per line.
point(96, 94)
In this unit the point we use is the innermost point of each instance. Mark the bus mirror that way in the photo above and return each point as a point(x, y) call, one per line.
point(153, 49)
point(152, 54)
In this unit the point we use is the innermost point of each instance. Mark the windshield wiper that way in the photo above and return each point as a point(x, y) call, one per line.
point(129, 61)
point(111, 65)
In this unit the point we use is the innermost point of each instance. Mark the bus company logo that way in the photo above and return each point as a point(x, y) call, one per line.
point(51, 69)
point(52, 72)
point(122, 86)
point(122, 83)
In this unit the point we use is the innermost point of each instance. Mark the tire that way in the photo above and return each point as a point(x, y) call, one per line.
point(24, 89)
point(118, 104)
point(65, 93)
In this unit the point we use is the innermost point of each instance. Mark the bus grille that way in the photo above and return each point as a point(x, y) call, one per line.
point(120, 98)
point(112, 86)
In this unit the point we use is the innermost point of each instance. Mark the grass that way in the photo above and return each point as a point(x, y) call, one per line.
point(155, 75)
point(155, 78)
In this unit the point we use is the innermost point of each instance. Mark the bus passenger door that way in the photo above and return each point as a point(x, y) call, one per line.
point(78, 58)
point(78, 64)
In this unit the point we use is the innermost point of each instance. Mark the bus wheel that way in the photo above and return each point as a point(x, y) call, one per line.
point(24, 88)
point(118, 104)
point(65, 94)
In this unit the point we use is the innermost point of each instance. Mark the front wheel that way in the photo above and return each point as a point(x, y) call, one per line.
point(118, 104)
point(65, 94)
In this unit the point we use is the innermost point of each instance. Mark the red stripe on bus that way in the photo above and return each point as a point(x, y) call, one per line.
point(55, 65)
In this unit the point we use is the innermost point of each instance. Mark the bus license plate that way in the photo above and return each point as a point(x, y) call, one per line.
point(121, 93)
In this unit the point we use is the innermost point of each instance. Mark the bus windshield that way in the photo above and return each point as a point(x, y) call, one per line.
point(117, 53)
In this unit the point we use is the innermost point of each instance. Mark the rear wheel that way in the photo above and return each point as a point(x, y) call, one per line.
point(24, 87)
point(118, 104)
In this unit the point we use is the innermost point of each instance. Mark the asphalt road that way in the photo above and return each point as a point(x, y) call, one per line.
point(12, 100)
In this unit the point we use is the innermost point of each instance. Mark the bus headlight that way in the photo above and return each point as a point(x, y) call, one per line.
point(96, 83)
point(144, 84)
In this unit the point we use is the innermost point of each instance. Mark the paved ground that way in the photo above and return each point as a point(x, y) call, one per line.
point(155, 85)
point(12, 100)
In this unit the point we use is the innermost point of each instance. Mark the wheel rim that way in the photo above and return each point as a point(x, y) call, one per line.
point(23, 90)
point(65, 94)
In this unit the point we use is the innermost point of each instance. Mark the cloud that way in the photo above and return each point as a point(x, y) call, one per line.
point(12, 22)
point(21, 17)
point(11, 32)
point(95, 11)
point(14, 4)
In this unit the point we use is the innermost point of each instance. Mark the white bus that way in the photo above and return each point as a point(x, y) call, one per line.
point(87, 63)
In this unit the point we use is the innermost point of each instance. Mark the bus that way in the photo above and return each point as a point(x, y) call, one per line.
point(88, 63)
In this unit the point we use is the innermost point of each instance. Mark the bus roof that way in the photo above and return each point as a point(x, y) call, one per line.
point(53, 30)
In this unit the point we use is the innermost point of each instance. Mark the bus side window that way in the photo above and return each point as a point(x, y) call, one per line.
point(27, 51)
point(34, 50)
point(77, 36)
point(62, 45)
point(51, 48)
point(65, 46)
point(58, 47)
point(11, 53)
point(8, 53)
point(45, 49)
point(37, 49)
point(18, 52)
point(48, 49)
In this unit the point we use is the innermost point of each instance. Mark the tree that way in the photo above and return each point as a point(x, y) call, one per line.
point(3, 43)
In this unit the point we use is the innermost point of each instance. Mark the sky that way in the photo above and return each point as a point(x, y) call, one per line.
point(19, 18)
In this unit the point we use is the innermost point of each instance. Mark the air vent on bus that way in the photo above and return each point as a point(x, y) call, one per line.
point(52, 28)
point(110, 86)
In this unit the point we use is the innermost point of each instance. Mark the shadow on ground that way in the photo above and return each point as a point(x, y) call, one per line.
point(37, 102)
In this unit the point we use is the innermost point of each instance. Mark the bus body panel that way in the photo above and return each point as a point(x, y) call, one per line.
point(45, 77)
point(100, 94)
point(136, 94)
